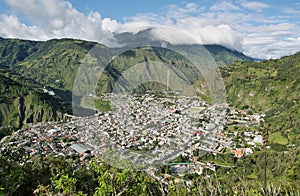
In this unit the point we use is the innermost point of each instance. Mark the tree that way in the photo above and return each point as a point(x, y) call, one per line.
point(65, 184)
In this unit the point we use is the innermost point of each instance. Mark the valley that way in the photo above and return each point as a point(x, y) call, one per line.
point(165, 131)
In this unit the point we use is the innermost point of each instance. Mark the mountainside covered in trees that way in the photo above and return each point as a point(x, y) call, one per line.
point(24, 101)
point(27, 68)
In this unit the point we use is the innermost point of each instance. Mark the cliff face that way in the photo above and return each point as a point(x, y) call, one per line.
point(20, 113)
point(22, 103)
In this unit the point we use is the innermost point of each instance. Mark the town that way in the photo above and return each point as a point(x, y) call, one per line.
point(143, 132)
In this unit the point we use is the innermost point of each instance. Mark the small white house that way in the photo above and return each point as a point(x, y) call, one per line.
point(258, 139)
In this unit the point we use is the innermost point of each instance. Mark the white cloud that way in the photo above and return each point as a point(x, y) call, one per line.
point(289, 10)
point(272, 41)
point(177, 26)
point(174, 35)
point(52, 19)
point(224, 6)
point(267, 48)
point(110, 25)
point(236, 24)
point(15, 29)
point(254, 33)
point(39, 11)
point(254, 5)
point(292, 10)
point(221, 34)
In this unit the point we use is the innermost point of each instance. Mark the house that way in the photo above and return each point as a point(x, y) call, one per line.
point(179, 170)
point(80, 148)
point(248, 151)
point(51, 93)
point(258, 139)
point(195, 133)
point(238, 153)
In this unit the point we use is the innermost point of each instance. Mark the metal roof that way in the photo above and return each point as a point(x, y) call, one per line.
point(80, 148)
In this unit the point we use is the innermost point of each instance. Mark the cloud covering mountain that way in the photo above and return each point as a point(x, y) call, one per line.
point(247, 26)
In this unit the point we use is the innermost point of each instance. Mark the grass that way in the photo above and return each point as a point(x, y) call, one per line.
point(102, 105)
point(278, 138)
point(96, 103)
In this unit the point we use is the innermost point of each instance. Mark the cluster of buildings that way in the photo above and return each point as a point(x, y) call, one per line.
point(156, 129)
point(146, 130)
point(47, 138)
point(244, 142)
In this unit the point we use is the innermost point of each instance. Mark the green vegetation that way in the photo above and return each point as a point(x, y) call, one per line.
point(168, 104)
point(278, 138)
point(96, 103)
point(27, 67)
point(53, 63)
point(271, 87)
point(102, 105)
point(248, 169)
point(224, 56)
point(281, 162)
point(58, 175)
point(147, 64)
point(23, 101)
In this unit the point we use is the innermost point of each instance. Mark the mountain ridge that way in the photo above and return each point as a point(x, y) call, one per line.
point(145, 37)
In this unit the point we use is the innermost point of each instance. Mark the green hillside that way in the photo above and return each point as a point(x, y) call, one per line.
point(150, 66)
point(271, 87)
point(55, 62)
point(13, 51)
point(24, 101)
point(27, 67)
point(224, 56)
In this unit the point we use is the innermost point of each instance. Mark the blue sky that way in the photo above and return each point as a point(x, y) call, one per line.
point(120, 9)
point(261, 29)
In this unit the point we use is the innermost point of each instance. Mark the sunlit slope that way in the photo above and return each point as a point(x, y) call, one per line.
point(271, 87)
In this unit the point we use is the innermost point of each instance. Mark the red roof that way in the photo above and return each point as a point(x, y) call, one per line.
point(197, 133)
